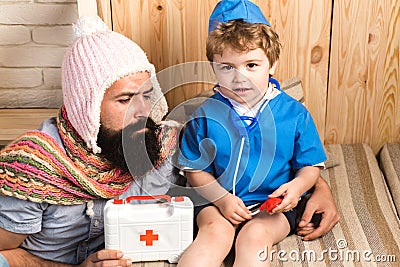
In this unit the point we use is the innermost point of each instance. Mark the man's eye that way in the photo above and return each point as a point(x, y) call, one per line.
point(124, 100)
point(147, 97)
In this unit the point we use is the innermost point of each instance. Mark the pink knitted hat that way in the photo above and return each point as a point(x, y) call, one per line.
point(97, 59)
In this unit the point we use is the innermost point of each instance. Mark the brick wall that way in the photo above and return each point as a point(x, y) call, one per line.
point(34, 34)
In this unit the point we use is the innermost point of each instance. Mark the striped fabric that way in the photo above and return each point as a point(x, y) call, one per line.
point(390, 165)
point(368, 226)
point(368, 233)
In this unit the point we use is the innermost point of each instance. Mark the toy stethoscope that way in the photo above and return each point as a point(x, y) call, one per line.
point(240, 123)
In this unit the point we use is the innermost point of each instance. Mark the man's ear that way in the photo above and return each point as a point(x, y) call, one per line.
point(273, 68)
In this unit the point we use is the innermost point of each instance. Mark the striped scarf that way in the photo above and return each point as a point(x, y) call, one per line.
point(34, 167)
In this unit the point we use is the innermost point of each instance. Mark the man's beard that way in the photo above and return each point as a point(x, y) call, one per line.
point(129, 150)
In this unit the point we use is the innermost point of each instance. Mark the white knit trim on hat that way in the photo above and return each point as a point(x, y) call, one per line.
point(87, 26)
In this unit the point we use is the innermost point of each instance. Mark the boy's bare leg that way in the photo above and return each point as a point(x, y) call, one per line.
point(213, 242)
point(259, 234)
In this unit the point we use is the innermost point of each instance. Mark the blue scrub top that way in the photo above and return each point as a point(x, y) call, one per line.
point(284, 140)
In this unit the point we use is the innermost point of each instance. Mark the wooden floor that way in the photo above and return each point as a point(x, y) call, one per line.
point(163, 264)
point(228, 262)
point(153, 264)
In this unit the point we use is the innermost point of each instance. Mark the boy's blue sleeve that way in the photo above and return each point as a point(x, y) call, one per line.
point(196, 151)
point(308, 149)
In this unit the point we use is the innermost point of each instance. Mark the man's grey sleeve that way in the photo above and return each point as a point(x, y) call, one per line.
point(3, 261)
point(27, 221)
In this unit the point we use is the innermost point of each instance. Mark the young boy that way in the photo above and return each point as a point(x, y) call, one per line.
point(248, 142)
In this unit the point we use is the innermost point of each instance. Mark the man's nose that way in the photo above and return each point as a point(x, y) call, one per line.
point(139, 107)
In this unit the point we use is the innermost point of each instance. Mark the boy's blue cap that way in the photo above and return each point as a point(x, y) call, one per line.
point(227, 10)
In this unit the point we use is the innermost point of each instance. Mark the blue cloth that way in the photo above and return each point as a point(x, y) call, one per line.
point(284, 140)
point(66, 233)
point(3, 261)
point(227, 10)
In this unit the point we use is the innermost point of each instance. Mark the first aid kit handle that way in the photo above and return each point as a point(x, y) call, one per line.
point(166, 197)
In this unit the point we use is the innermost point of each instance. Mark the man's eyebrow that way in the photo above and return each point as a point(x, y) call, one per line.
point(144, 92)
point(130, 94)
point(149, 91)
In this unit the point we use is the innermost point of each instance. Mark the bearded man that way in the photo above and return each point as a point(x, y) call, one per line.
point(55, 182)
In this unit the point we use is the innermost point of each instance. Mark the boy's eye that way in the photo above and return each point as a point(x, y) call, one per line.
point(251, 65)
point(226, 67)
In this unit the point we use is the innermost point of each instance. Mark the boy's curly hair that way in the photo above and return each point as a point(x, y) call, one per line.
point(242, 37)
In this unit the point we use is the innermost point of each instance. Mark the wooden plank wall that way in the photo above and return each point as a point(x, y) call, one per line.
point(364, 75)
point(345, 52)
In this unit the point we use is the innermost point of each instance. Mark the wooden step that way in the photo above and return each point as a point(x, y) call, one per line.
point(14, 122)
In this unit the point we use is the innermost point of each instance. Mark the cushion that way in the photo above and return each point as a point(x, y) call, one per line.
point(390, 165)
point(294, 88)
point(368, 221)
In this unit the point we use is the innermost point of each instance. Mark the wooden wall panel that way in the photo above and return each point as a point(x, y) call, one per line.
point(364, 80)
point(104, 11)
point(170, 31)
point(87, 8)
point(304, 29)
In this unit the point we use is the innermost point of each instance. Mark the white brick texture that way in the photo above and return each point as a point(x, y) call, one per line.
point(14, 35)
point(31, 98)
point(52, 78)
point(44, 14)
point(32, 56)
point(34, 35)
point(20, 78)
point(56, 35)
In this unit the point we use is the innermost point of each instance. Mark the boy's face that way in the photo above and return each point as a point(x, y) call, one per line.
point(243, 76)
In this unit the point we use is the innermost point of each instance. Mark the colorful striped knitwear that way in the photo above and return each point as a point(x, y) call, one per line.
point(34, 167)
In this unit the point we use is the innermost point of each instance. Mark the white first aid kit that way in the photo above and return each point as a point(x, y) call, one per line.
point(149, 228)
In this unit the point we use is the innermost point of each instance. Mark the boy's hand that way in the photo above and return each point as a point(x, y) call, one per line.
point(270, 204)
point(290, 193)
point(233, 209)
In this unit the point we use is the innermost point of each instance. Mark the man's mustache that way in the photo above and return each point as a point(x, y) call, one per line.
point(139, 125)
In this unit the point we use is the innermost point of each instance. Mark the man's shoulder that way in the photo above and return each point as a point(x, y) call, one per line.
point(50, 128)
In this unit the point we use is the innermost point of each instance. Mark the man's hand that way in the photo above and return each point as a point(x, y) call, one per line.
point(21, 258)
point(106, 257)
point(321, 201)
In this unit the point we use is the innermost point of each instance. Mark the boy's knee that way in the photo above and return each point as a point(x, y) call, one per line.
point(220, 227)
point(220, 231)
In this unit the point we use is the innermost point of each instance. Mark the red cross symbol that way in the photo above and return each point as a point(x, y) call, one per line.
point(149, 237)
